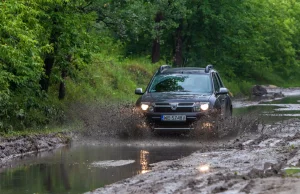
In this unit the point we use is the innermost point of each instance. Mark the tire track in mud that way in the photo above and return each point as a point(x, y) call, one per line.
point(242, 165)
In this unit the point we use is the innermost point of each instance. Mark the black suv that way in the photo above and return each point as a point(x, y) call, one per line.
point(177, 97)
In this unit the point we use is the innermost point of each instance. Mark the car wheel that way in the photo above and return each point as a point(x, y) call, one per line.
point(227, 113)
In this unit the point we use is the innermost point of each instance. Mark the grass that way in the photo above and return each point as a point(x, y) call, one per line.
point(109, 78)
point(26, 132)
point(238, 88)
point(292, 171)
point(112, 77)
point(51, 128)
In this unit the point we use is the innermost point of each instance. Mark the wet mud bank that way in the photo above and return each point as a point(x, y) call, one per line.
point(252, 163)
point(272, 93)
point(21, 146)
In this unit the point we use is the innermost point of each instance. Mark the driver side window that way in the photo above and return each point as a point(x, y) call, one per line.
point(216, 83)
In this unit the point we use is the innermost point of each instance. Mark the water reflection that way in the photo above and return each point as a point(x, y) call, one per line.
point(69, 170)
point(287, 100)
point(203, 168)
point(273, 111)
point(144, 161)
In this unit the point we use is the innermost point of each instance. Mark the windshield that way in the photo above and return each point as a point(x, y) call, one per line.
point(197, 83)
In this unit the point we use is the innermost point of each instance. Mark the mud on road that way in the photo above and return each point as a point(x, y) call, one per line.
point(251, 163)
point(252, 158)
point(255, 158)
point(18, 147)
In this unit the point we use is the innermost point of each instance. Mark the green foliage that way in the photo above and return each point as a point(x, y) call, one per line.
point(292, 171)
point(110, 78)
point(21, 65)
point(243, 39)
point(239, 88)
point(31, 31)
point(100, 49)
point(67, 24)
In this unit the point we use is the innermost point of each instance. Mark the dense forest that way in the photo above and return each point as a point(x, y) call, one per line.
point(57, 52)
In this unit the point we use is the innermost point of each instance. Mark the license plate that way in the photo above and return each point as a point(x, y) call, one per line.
point(173, 117)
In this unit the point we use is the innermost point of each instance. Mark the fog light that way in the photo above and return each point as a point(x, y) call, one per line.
point(197, 108)
point(151, 108)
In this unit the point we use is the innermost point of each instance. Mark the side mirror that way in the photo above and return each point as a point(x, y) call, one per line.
point(139, 91)
point(223, 91)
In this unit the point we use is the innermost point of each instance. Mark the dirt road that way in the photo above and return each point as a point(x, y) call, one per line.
point(253, 163)
point(253, 159)
point(267, 161)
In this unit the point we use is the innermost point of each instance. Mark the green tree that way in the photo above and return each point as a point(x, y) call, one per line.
point(21, 65)
point(68, 24)
point(40, 40)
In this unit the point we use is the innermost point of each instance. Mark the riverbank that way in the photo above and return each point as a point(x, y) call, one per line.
point(286, 92)
point(20, 146)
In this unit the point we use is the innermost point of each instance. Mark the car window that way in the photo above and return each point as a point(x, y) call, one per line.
point(196, 83)
point(220, 81)
point(216, 83)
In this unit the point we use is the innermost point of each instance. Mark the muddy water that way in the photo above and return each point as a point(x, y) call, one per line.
point(77, 169)
point(84, 167)
point(273, 111)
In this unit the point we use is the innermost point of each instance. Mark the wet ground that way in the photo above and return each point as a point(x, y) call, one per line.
point(82, 167)
point(265, 161)
point(92, 163)
point(271, 111)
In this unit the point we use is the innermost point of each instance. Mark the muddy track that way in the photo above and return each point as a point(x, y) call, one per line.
point(18, 147)
point(249, 159)
point(249, 164)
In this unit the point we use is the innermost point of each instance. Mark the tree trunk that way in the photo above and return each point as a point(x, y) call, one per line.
point(178, 55)
point(62, 85)
point(155, 51)
point(156, 45)
point(48, 64)
point(49, 58)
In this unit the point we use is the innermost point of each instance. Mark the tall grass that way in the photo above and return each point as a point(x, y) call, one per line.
point(110, 78)
point(113, 77)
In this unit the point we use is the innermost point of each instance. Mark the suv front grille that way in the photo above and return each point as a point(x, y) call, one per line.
point(162, 104)
point(178, 109)
point(181, 107)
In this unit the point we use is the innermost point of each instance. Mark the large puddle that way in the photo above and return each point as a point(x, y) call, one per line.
point(85, 167)
point(77, 169)
point(273, 111)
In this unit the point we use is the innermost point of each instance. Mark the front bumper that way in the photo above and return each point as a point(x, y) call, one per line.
point(156, 123)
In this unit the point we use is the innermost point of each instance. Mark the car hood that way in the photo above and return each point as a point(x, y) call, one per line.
point(174, 97)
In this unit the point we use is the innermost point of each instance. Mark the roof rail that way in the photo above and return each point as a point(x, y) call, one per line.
point(163, 67)
point(208, 68)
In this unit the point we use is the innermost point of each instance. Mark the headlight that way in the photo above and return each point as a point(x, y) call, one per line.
point(204, 106)
point(144, 106)
point(201, 106)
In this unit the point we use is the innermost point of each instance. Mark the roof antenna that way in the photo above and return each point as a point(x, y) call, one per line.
point(208, 68)
point(163, 67)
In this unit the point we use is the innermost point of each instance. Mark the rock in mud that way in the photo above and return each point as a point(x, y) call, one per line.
point(278, 95)
point(258, 90)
